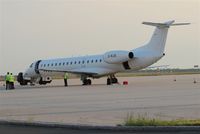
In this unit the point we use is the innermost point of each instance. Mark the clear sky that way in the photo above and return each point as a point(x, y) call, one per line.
point(41, 29)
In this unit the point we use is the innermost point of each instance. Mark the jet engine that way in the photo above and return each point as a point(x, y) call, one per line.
point(117, 57)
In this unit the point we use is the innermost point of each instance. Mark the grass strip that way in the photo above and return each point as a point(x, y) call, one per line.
point(142, 120)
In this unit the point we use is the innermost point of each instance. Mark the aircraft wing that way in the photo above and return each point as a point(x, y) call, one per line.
point(86, 71)
point(74, 71)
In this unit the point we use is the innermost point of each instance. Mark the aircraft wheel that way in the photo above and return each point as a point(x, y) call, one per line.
point(114, 80)
point(89, 82)
point(23, 82)
point(85, 82)
point(108, 81)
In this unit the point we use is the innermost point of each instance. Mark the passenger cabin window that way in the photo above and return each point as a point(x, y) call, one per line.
point(96, 60)
point(52, 64)
point(71, 62)
point(63, 63)
point(87, 61)
point(59, 64)
point(55, 64)
point(92, 61)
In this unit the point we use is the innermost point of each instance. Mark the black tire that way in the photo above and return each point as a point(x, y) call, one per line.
point(24, 82)
point(41, 82)
point(114, 80)
point(85, 82)
point(108, 81)
point(89, 82)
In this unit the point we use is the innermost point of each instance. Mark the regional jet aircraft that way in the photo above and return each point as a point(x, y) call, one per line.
point(107, 64)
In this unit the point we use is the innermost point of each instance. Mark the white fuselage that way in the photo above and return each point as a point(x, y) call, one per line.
point(106, 64)
point(93, 63)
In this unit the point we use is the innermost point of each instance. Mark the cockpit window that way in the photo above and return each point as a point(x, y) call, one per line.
point(31, 65)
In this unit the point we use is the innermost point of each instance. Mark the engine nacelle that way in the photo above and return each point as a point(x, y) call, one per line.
point(116, 57)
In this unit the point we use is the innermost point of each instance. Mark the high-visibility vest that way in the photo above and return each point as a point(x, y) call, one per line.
point(7, 77)
point(12, 78)
point(66, 76)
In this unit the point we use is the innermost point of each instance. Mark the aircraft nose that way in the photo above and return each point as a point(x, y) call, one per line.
point(26, 73)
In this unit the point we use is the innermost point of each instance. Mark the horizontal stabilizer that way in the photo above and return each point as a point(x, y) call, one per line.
point(177, 24)
point(164, 25)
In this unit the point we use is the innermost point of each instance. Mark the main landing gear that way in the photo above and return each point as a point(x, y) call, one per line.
point(112, 80)
point(85, 80)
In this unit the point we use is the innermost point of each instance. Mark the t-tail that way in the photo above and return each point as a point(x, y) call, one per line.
point(158, 39)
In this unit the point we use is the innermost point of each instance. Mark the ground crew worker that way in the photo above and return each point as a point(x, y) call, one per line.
point(7, 80)
point(12, 80)
point(65, 79)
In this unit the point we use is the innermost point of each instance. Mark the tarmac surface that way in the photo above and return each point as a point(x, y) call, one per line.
point(99, 104)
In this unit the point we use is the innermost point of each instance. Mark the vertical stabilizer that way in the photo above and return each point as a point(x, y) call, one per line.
point(158, 39)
